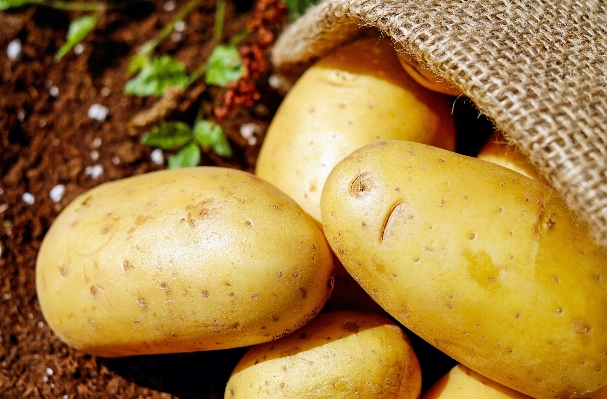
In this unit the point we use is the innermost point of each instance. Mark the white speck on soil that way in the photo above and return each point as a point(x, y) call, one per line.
point(96, 143)
point(98, 112)
point(95, 155)
point(94, 171)
point(249, 131)
point(79, 48)
point(14, 50)
point(28, 198)
point(279, 83)
point(176, 37)
point(169, 5)
point(105, 91)
point(157, 156)
point(3, 207)
point(57, 193)
point(116, 161)
point(180, 26)
point(6, 296)
point(21, 115)
point(49, 371)
point(53, 91)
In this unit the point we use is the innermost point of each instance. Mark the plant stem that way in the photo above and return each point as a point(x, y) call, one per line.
point(240, 36)
point(150, 45)
point(220, 15)
point(99, 6)
point(198, 72)
point(200, 113)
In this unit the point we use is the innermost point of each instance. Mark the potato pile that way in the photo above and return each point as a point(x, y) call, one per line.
point(359, 220)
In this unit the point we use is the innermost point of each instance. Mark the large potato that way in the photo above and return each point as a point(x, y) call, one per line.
point(487, 265)
point(351, 97)
point(181, 260)
point(462, 383)
point(343, 354)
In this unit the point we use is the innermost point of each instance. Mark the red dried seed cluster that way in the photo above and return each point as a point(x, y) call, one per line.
point(244, 92)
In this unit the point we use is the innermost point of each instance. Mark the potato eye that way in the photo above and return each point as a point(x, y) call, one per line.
point(361, 184)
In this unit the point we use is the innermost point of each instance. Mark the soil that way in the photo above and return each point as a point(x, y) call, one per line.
point(48, 139)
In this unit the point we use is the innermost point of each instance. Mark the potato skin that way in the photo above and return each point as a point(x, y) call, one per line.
point(423, 76)
point(351, 97)
point(499, 151)
point(341, 354)
point(181, 260)
point(462, 383)
point(489, 266)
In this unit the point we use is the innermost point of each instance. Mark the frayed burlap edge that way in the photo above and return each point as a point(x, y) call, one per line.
point(537, 69)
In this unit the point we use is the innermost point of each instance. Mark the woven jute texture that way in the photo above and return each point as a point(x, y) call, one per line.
point(537, 68)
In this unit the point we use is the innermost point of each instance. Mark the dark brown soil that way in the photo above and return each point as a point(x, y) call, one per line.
point(47, 139)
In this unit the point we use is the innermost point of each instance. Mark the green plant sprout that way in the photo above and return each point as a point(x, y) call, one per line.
point(189, 140)
point(144, 55)
point(157, 74)
point(165, 77)
point(79, 27)
point(77, 31)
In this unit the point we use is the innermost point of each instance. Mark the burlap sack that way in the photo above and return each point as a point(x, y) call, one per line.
point(537, 68)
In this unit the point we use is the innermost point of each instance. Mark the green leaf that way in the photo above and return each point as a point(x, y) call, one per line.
point(222, 147)
point(210, 136)
point(6, 4)
point(297, 8)
point(168, 135)
point(186, 157)
point(78, 29)
point(206, 133)
point(224, 65)
point(155, 77)
point(137, 63)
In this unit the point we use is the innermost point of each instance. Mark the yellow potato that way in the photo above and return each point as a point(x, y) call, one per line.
point(423, 76)
point(181, 260)
point(489, 266)
point(353, 96)
point(342, 354)
point(462, 383)
point(499, 151)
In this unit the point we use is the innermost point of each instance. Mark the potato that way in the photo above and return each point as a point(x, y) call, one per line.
point(462, 383)
point(341, 354)
point(489, 266)
point(423, 76)
point(353, 96)
point(499, 151)
point(181, 260)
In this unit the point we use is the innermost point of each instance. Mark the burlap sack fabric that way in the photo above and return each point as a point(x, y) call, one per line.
point(537, 68)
